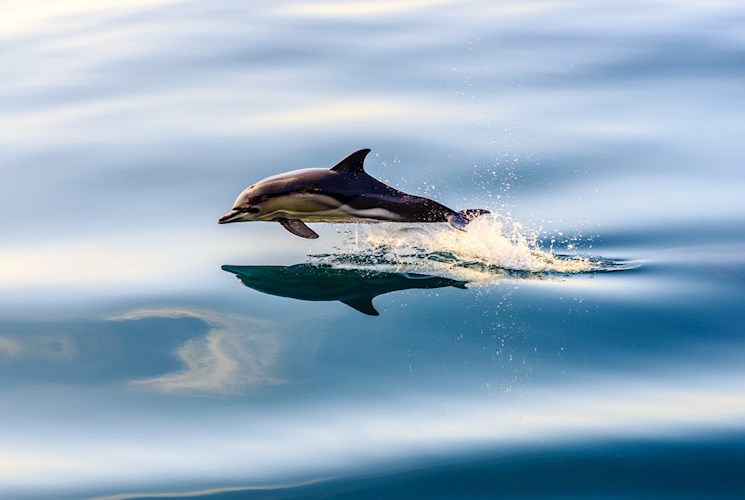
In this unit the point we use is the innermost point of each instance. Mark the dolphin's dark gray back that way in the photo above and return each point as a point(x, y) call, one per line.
point(349, 183)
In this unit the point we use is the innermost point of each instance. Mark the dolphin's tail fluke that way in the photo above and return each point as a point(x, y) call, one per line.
point(460, 220)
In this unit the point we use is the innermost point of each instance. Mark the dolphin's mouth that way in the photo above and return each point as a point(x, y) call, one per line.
point(238, 215)
point(232, 216)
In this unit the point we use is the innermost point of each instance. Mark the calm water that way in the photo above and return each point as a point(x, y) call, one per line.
point(585, 341)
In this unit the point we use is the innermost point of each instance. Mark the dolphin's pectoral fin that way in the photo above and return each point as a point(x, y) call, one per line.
point(353, 163)
point(363, 305)
point(298, 228)
point(460, 220)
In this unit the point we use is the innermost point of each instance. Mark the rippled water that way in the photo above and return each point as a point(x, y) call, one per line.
point(584, 340)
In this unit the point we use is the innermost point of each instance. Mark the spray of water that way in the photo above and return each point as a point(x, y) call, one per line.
point(493, 247)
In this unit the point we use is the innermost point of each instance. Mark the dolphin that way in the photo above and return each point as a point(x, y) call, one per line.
point(341, 194)
point(354, 287)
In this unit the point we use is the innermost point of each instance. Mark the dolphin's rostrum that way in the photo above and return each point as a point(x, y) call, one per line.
point(343, 193)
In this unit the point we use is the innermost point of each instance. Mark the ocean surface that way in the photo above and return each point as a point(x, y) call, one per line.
point(585, 340)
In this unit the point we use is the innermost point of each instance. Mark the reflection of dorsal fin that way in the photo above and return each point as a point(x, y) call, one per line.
point(352, 163)
point(362, 304)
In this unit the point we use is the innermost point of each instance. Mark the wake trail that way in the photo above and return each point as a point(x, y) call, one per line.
point(491, 248)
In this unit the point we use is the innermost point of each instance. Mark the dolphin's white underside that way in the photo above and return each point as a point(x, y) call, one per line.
point(321, 208)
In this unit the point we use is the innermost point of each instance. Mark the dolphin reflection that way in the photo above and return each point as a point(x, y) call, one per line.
point(354, 287)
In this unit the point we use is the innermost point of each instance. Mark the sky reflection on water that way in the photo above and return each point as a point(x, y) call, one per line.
point(131, 362)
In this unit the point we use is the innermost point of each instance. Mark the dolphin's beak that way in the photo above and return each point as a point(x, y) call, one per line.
point(229, 217)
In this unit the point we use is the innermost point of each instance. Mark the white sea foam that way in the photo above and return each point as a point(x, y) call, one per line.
point(493, 247)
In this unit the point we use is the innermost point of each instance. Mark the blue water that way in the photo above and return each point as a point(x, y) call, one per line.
point(585, 340)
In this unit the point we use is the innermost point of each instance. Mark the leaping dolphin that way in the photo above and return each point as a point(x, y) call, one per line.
point(340, 194)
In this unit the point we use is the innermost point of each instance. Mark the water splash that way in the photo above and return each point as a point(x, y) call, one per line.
point(493, 247)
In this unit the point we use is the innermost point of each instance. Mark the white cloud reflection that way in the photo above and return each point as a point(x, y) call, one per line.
point(237, 353)
point(24, 16)
point(312, 440)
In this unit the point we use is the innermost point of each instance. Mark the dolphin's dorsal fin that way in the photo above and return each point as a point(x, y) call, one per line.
point(362, 304)
point(353, 163)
